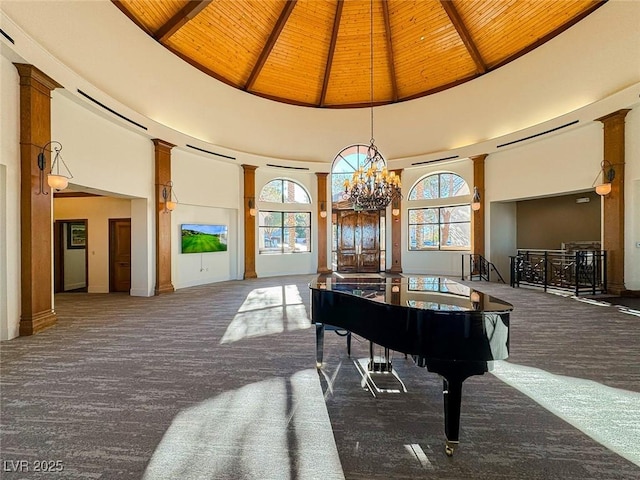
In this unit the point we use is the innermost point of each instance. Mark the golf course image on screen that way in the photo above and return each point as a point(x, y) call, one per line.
point(198, 238)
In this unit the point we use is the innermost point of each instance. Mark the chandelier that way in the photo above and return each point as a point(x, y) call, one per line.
point(372, 186)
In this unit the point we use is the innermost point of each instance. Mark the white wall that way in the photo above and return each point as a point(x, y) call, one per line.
point(98, 151)
point(191, 269)
point(9, 201)
point(632, 201)
point(207, 190)
point(143, 247)
point(503, 236)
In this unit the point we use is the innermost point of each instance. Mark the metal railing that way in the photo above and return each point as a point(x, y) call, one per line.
point(580, 271)
point(480, 268)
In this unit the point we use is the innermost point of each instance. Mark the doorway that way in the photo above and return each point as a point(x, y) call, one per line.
point(358, 241)
point(70, 261)
point(120, 255)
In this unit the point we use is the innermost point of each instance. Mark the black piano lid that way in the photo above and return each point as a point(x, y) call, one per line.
point(420, 292)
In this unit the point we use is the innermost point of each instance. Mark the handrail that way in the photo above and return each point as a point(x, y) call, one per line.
point(580, 271)
point(480, 267)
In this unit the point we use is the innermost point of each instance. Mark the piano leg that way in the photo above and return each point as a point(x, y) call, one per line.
point(319, 344)
point(454, 373)
point(452, 394)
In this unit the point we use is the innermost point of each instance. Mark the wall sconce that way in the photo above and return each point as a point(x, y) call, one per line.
point(475, 299)
point(395, 207)
point(475, 201)
point(323, 210)
point(167, 196)
point(252, 207)
point(54, 180)
point(608, 174)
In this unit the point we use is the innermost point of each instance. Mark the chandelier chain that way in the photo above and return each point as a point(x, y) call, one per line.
point(372, 186)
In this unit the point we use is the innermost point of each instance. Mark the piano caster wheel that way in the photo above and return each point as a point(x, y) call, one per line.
point(449, 448)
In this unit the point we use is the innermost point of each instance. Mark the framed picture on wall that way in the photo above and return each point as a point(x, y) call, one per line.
point(76, 235)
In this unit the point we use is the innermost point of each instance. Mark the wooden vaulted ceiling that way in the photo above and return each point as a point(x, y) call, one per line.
point(319, 52)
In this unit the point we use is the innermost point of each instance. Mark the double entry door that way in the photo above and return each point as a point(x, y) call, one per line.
point(358, 241)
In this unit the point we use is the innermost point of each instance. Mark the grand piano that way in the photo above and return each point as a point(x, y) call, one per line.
point(443, 325)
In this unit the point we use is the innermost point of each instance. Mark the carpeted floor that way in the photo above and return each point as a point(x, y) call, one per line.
point(219, 382)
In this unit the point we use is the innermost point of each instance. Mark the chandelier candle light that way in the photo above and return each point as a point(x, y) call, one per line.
point(375, 187)
point(372, 186)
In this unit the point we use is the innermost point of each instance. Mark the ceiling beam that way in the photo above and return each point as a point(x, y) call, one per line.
point(332, 49)
point(273, 38)
point(459, 25)
point(390, 58)
point(186, 13)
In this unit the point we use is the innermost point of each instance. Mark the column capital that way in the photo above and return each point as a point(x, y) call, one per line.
point(161, 144)
point(479, 158)
point(616, 116)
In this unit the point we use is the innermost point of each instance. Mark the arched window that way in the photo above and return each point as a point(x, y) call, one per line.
point(348, 161)
point(285, 228)
point(439, 185)
point(438, 224)
point(284, 191)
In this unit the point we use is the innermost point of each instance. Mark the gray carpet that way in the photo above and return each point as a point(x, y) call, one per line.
point(218, 381)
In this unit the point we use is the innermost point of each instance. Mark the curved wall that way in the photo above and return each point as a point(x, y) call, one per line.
point(577, 77)
point(105, 54)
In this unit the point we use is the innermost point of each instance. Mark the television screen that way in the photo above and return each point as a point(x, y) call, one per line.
point(198, 238)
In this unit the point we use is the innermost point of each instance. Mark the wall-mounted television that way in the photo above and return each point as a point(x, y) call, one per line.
point(199, 238)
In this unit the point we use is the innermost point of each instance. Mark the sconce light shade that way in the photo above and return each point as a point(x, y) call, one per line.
point(252, 207)
point(474, 296)
point(55, 179)
point(603, 189)
point(168, 196)
point(395, 206)
point(323, 210)
point(608, 174)
point(58, 182)
point(475, 202)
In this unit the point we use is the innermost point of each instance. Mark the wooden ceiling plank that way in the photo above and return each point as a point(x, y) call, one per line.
point(186, 13)
point(273, 38)
point(332, 48)
point(390, 59)
point(132, 16)
point(462, 30)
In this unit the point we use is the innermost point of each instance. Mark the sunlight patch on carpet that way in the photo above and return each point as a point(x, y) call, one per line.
point(274, 429)
point(611, 416)
point(267, 311)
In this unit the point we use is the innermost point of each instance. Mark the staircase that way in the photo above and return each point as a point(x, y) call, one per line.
point(479, 268)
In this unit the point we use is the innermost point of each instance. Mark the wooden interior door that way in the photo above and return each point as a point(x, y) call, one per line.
point(120, 255)
point(358, 241)
point(348, 241)
point(369, 257)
